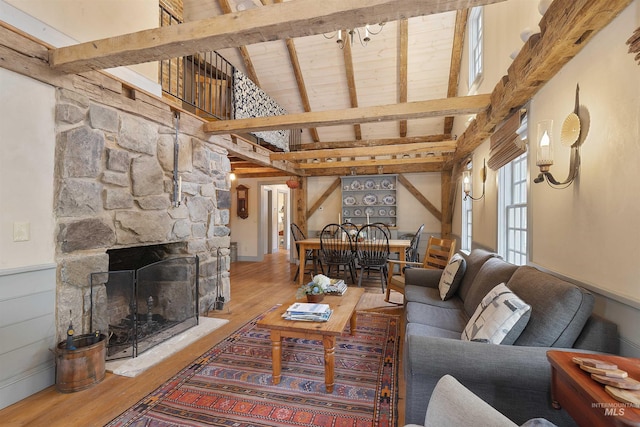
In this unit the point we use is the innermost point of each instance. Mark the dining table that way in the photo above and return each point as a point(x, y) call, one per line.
point(313, 243)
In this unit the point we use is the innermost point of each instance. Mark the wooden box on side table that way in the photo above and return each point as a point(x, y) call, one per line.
point(584, 398)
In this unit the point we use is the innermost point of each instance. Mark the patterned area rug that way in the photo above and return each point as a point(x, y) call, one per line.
point(230, 385)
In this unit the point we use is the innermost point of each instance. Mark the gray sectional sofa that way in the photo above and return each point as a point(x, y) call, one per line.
point(514, 379)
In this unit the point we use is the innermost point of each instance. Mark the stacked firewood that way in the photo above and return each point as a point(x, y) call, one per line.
point(634, 44)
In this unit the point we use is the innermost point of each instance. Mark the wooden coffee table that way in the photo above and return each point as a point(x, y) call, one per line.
point(344, 310)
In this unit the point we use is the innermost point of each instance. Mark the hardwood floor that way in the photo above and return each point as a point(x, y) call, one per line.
point(255, 287)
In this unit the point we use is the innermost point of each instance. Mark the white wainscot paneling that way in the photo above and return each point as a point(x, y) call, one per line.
point(27, 331)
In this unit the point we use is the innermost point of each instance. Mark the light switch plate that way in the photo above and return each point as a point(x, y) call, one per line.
point(21, 231)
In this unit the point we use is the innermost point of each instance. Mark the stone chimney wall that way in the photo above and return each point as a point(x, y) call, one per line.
point(114, 188)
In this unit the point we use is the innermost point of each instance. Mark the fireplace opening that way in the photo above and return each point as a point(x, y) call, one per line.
point(149, 295)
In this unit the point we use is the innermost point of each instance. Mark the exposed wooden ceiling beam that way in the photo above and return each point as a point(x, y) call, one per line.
point(373, 170)
point(456, 60)
point(373, 162)
point(297, 72)
point(264, 173)
point(302, 88)
point(375, 142)
point(410, 110)
point(333, 187)
point(351, 80)
point(257, 169)
point(273, 22)
point(420, 197)
point(383, 150)
point(244, 53)
point(403, 54)
point(566, 28)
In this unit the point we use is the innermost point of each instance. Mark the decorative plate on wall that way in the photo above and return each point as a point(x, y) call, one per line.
point(382, 212)
point(349, 200)
point(386, 184)
point(392, 212)
point(357, 212)
point(369, 184)
point(346, 212)
point(388, 199)
point(370, 199)
point(369, 211)
point(355, 185)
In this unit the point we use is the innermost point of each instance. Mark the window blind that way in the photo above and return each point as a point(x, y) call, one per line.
point(506, 142)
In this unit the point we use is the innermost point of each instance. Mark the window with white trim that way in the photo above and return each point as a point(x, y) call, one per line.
point(476, 29)
point(467, 219)
point(512, 211)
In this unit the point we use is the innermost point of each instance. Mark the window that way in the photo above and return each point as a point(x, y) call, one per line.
point(512, 211)
point(467, 219)
point(475, 48)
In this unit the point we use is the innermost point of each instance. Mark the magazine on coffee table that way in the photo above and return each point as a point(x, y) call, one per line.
point(313, 312)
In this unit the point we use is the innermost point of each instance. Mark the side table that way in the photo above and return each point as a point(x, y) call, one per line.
point(585, 399)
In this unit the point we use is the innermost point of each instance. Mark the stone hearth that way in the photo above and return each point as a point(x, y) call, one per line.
point(114, 189)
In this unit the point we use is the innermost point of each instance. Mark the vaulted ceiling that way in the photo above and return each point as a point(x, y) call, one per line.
point(389, 104)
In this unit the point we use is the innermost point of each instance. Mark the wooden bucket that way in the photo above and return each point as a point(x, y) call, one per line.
point(81, 368)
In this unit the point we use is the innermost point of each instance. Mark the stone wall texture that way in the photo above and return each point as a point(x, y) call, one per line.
point(114, 189)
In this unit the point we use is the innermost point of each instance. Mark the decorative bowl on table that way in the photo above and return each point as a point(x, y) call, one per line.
point(315, 297)
point(314, 290)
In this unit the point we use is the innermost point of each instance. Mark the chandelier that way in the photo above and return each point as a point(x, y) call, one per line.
point(363, 35)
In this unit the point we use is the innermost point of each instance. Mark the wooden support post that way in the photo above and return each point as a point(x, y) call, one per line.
point(447, 208)
point(300, 205)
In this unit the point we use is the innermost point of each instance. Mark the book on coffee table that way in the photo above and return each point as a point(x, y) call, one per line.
point(337, 287)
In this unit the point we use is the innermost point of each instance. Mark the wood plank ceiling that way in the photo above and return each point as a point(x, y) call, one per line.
point(385, 107)
point(410, 60)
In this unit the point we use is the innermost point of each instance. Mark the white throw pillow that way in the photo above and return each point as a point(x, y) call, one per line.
point(451, 276)
point(499, 313)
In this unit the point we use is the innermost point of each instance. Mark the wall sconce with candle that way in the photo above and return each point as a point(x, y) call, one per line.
point(466, 183)
point(569, 137)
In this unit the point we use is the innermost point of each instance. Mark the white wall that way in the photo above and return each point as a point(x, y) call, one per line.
point(250, 233)
point(27, 146)
point(589, 232)
point(503, 23)
point(67, 22)
point(27, 268)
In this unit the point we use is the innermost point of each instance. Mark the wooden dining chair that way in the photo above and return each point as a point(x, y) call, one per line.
point(437, 255)
point(310, 254)
point(372, 251)
point(337, 250)
point(384, 227)
point(412, 254)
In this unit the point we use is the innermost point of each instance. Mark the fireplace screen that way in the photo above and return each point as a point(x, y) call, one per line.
point(143, 307)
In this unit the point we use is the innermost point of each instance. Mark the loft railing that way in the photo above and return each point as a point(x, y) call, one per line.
point(202, 83)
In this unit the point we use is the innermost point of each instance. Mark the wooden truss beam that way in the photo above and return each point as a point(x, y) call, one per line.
point(566, 28)
point(375, 142)
point(384, 150)
point(244, 52)
point(372, 162)
point(272, 22)
point(411, 110)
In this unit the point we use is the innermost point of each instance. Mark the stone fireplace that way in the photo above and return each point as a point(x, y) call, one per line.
point(114, 191)
point(151, 295)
